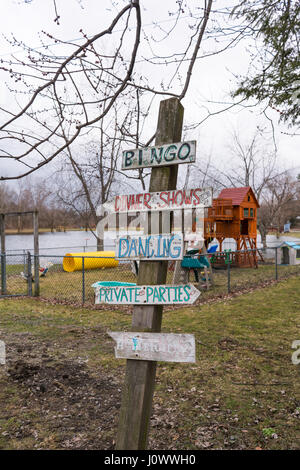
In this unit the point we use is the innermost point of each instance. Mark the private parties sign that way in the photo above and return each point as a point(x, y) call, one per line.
point(163, 155)
point(146, 295)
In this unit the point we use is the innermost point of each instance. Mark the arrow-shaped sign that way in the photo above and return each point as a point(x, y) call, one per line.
point(154, 346)
point(160, 201)
point(146, 295)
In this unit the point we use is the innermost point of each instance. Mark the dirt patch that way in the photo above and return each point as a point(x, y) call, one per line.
point(61, 398)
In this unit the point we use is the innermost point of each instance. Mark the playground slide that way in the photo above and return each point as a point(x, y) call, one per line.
point(92, 260)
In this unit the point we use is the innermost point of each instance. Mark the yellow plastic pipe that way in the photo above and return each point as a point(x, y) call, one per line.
point(92, 260)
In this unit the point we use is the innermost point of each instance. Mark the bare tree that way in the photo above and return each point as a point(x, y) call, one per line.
point(276, 208)
point(88, 178)
point(63, 97)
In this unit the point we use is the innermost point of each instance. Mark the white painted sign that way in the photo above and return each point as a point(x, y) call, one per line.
point(146, 295)
point(163, 200)
point(150, 247)
point(162, 155)
point(154, 346)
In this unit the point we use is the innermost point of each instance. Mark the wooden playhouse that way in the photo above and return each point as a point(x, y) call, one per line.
point(234, 215)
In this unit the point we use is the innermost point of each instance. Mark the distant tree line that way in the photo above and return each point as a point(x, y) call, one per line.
point(31, 195)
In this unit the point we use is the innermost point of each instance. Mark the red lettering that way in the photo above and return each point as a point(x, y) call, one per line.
point(165, 201)
point(117, 198)
point(139, 201)
point(176, 195)
point(188, 199)
point(171, 197)
point(147, 197)
point(196, 196)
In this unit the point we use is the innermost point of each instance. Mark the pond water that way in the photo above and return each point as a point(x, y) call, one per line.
point(59, 243)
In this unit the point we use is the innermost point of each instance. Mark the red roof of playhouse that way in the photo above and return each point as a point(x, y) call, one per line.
point(237, 195)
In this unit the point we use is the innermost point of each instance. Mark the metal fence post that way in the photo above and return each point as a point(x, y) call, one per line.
point(83, 281)
point(3, 273)
point(276, 264)
point(24, 258)
point(29, 274)
point(228, 277)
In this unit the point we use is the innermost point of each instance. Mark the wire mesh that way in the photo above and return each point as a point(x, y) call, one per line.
point(58, 285)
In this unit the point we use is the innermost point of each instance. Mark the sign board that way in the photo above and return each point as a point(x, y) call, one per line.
point(163, 200)
point(154, 346)
point(150, 247)
point(146, 295)
point(162, 155)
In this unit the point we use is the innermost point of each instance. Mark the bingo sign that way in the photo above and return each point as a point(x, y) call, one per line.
point(164, 155)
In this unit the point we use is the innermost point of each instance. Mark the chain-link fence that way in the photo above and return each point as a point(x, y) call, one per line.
point(61, 283)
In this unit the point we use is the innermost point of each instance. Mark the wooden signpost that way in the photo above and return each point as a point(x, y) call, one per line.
point(160, 155)
point(147, 295)
point(154, 346)
point(162, 200)
point(145, 345)
point(151, 247)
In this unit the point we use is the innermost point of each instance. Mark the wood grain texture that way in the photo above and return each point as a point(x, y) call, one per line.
point(139, 384)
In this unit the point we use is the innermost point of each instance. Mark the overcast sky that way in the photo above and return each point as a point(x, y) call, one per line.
point(212, 79)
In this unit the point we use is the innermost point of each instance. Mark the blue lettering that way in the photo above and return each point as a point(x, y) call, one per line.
point(124, 294)
point(149, 292)
point(128, 157)
point(121, 244)
point(176, 251)
point(142, 247)
point(188, 295)
point(155, 156)
point(150, 255)
point(169, 156)
point(133, 247)
point(183, 157)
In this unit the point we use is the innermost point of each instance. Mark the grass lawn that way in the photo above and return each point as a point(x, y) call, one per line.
point(61, 386)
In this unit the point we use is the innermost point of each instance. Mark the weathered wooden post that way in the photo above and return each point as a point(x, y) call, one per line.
point(139, 384)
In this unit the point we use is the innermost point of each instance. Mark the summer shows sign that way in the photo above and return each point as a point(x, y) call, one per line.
point(151, 247)
point(163, 200)
point(143, 295)
point(162, 155)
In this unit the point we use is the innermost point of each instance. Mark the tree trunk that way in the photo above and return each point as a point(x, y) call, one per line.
point(263, 234)
point(100, 244)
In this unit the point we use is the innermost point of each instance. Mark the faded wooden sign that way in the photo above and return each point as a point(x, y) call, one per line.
point(163, 155)
point(154, 346)
point(146, 295)
point(163, 200)
point(150, 247)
